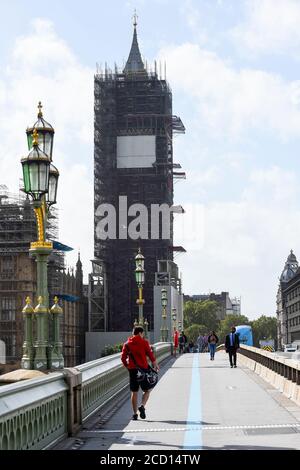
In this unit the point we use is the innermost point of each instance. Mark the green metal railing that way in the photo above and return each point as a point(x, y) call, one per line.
point(104, 378)
point(33, 413)
point(36, 413)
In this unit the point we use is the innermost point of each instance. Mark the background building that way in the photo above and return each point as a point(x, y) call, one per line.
point(18, 280)
point(288, 303)
point(226, 305)
point(134, 127)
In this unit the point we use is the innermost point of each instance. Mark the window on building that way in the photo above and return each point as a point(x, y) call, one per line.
point(10, 346)
point(7, 309)
point(7, 265)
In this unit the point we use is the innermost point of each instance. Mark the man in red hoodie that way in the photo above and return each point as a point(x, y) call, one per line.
point(134, 353)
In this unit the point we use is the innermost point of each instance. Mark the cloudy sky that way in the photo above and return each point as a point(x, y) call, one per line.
point(234, 68)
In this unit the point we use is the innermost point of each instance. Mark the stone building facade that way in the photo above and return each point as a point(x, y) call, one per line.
point(18, 279)
point(288, 303)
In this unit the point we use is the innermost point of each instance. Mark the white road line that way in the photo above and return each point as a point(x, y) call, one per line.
point(194, 428)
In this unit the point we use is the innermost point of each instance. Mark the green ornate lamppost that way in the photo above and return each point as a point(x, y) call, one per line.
point(140, 280)
point(40, 178)
point(174, 317)
point(164, 302)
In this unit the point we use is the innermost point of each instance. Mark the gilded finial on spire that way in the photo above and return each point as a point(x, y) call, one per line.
point(35, 135)
point(28, 300)
point(135, 17)
point(40, 114)
point(40, 299)
point(56, 300)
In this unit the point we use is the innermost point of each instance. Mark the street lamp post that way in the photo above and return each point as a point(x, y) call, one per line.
point(164, 302)
point(40, 182)
point(174, 317)
point(175, 332)
point(140, 280)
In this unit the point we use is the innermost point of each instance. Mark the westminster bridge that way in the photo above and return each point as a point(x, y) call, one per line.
point(197, 404)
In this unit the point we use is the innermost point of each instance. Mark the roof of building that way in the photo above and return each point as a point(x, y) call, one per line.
point(290, 268)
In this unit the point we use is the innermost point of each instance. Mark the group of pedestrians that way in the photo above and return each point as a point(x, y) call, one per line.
point(137, 350)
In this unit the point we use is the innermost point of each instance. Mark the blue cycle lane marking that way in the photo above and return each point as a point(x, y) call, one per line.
point(193, 438)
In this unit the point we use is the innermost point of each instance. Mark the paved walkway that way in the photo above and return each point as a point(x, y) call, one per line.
point(201, 404)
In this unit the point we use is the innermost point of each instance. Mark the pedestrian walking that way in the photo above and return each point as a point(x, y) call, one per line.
point(212, 341)
point(182, 340)
point(232, 344)
point(200, 342)
point(205, 343)
point(175, 341)
point(134, 357)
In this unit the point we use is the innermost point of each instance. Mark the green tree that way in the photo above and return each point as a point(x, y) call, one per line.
point(111, 349)
point(193, 331)
point(264, 328)
point(201, 313)
point(229, 321)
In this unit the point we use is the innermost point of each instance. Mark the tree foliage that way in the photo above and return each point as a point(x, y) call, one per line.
point(264, 328)
point(229, 321)
point(193, 331)
point(201, 313)
point(202, 317)
point(111, 349)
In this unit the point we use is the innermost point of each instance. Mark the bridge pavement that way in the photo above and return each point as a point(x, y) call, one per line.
point(200, 404)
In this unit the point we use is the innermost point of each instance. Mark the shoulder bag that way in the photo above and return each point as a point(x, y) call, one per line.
point(147, 378)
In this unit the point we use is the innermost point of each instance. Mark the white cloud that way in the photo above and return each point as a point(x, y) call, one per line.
point(233, 102)
point(270, 26)
point(43, 67)
point(240, 246)
point(195, 20)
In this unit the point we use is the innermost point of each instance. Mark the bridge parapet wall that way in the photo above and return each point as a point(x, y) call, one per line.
point(281, 372)
point(33, 413)
point(36, 413)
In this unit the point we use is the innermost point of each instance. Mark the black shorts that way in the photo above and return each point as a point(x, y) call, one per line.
point(134, 385)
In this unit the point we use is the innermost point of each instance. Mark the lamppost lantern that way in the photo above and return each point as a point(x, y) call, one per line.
point(164, 298)
point(45, 132)
point(140, 275)
point(174, 315)
point(53, 184)
point(140, 260)
point(36, 169)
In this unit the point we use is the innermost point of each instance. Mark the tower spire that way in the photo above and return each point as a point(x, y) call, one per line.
point(134, 62)
point(135, 17)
